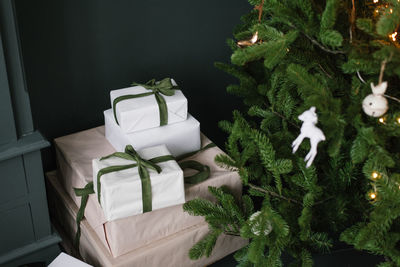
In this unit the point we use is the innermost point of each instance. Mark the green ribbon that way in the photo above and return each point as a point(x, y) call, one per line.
point(130, 154)
point(163, 87)
point(84, 193)
point(202, 174)
point(187, 155)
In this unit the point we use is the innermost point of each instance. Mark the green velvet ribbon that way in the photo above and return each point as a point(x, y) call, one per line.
point(187, 155)
point(84, 194)
point(163, 87)
point(203, 172)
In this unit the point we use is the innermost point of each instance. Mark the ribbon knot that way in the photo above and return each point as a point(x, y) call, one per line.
point(141, 162)
point(164, 86)
point(158, 89)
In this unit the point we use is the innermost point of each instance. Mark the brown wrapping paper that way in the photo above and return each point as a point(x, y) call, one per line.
point(171, 251)
point(75, 153)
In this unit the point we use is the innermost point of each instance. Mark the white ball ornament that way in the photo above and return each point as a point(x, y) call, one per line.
point(376, 104)
point(255, 222)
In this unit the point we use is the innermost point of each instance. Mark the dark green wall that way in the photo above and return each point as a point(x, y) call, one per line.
point(75, 51)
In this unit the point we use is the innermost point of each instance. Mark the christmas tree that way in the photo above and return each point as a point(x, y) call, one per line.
point(314, 59)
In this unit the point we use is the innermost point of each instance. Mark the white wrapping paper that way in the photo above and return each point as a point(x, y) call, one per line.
point(142, 113)
point(121, 191)
point(180, 138)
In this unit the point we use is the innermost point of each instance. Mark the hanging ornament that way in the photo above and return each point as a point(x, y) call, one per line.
point(254, 39)
point(255, 222)
point(309, 130)
point(376, 104)
point(250, 42)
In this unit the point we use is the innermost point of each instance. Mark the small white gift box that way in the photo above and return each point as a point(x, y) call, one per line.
point(63, 260)
point(121, 191)
point(180, 138)
point(141, 113)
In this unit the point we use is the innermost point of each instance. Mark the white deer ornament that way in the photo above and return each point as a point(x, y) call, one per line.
point(309, 130)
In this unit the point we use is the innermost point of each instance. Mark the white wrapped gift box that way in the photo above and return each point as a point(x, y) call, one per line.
point(142, 113)
point(180, 138)
point(64, 260)
point(121, 191)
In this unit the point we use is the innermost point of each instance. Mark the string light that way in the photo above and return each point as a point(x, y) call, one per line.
point(372, 195)
point(393, 36)
point(398, 120)
point(382, 120)
point(375, 175)
point(376, 1)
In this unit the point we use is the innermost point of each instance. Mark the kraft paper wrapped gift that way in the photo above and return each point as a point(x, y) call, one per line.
point(180, 138)
point(75, 153)
point(171, 251)
point(121, 191)
point(141, 113)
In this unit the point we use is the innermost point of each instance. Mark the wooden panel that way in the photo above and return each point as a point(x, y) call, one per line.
point(16, 228)
point(15, 69)
point(37, 194)
point(7, 126)
point(12, 180)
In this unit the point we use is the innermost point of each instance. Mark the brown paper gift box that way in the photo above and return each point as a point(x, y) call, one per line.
point(171, 251)
point(74, 155)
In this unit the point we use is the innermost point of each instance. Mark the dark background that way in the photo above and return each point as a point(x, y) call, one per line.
point(76, 51)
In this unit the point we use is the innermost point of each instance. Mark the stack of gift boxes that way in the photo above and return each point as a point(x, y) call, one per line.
point(125, 178)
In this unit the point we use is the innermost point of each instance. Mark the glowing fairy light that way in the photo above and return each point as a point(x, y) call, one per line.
point(393, 36)
point(382, 120)
point(372, 195)
point(375, 175)
point(376, 1)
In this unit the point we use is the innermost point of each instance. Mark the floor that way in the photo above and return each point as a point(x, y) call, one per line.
point(344, 258)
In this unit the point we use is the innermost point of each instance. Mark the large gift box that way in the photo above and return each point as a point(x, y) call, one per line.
point(75, 153)
point(120, 192)
point(171, 251)
point(138, 108)
point(180, 138)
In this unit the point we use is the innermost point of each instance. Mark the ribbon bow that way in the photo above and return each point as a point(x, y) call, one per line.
point(163, 87)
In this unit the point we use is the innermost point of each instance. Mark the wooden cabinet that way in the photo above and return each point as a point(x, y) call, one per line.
point(25, 230)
